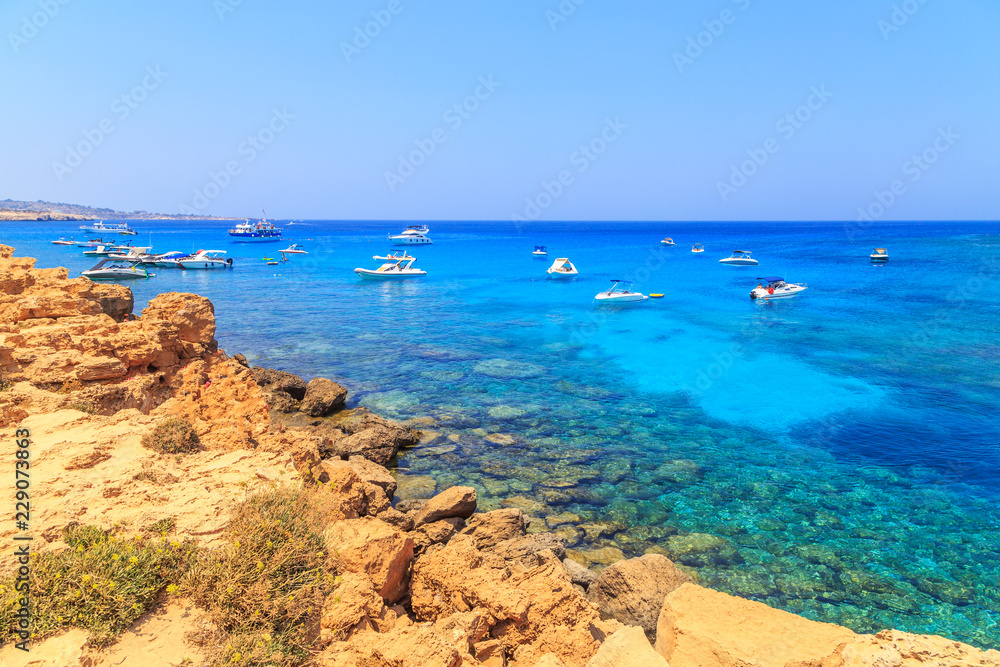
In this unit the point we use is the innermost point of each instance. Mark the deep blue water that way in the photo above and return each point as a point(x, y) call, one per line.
point(844, 443)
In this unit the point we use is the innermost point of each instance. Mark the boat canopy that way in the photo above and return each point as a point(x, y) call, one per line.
point(741, 252)
point(881, 251)
point(539, 247)
point(773, 279)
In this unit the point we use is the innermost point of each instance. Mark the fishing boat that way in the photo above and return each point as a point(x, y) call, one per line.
point(739, 258)
point(64, 241)
point(205, 259)
point(880, 255)
point(397, 265)
point(698, 248)
point(116, 269)
point(412, 235)
point(561, 268)
point(667, 241)
point(540, 251)
point(294, 249)
point(775, 287)
point(620, 292)
point(261, 231)
point(100, 227)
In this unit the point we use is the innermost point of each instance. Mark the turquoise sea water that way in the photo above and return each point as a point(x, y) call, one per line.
point(835, 455)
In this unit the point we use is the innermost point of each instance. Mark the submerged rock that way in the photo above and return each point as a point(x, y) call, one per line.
point(506, 369)
point(702, 549)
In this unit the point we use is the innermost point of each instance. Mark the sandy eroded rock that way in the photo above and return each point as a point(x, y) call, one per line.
point(374, 548)
point(458, 501)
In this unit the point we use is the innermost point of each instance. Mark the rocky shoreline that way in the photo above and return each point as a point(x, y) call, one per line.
point(414, 582)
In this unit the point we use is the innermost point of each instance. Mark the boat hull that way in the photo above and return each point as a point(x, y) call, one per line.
point(761, 293)
point(879, 258)
point(122, 275)
point(558, 275)
point(368, 274)
point(202, 265)
point(255, 239)
point(738, 262)
point(403, 240)
point(620, 298)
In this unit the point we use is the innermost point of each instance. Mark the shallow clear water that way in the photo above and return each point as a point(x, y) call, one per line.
point(835, 455)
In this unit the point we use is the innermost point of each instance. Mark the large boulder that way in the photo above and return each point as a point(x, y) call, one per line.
point(627, 648)
point(374, 548)
point(578, 574)
point(322, 397)
point(699, 627)
point(458, 501)
point(490, 528)
point(377, 439)
point(280, 381)
point(367, 471)
point(353, 606)
point(525, 549)
point(632, 591)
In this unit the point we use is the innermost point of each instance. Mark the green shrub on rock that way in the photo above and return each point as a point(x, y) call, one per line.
point(173, 435)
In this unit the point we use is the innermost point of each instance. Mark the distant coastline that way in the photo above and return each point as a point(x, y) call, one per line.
point(11, 210)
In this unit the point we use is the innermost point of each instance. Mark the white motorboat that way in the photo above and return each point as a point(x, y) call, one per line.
point(92, 243)
point(540, 251)
point(412, 235)
point(775, 287)
point(114, 228)
point(167, 260)
point(132, 253)
point(205, 259)
point(880, 255)
point(397, 265)
point(620, 292)
point(294, 249)
point(698, 248)
point(739, 258)
point(64, 241)
point(667, 241)
point(561, 268)
point(99, 251)
point(116, 269)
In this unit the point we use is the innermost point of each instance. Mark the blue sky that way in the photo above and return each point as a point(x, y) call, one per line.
point(590, 111)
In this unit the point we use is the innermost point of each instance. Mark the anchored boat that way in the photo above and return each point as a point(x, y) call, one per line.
point(880, 255)
point(739, 258)
point(775, 287)
point(620, 292)
point(116, 269)
point(412, 235)
point(397, 265)
point(562, 268)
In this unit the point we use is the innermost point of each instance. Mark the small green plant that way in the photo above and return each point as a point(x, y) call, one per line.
point(163, 526)
point(173, 435)
point(84, 406)
point(268, 584)
point(5, 384)
point(99, 583)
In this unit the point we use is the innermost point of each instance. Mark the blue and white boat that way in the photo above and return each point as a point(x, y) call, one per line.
point(261, 231)
point(540, 251)
point(114, 228)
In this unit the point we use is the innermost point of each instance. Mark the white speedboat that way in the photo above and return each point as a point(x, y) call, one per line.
point(540, 251)
point(99, 251)
point(412, 235)
point(880, 255)
point(739, 258)
point(100, 227)
point(397, 265)
point(698, 248)
point(167, 260)
point(205, 259)
point(775, 287)
point(64, 241)
point(667, 241)
point(620, 292)
point(116, 269)
point(294, 249)
point(132, 253)
point(561, 268)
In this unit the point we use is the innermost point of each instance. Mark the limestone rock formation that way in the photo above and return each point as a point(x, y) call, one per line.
point(458, 501)
point(322, 397)
point(374, 548)
point(525, 549)
point(632, 591)
point(490, 528)
point(627, 648)
point(280, 381)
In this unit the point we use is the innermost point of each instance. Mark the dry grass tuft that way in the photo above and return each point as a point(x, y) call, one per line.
point(173, 435)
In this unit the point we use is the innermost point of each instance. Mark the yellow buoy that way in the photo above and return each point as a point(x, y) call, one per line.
point(656, 296)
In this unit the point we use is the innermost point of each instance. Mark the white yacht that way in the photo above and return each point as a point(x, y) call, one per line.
point(880, 255)
point(412, 235)
point(561, 268)
point(540, 251)
point(114, 228)
point(775, 287)
point(698, 248)
point(294, 249)
point(667, 241)
point(739, 258)
point(397, 265)
point(205, 259)
point(115, 269)
point(64, 241)
point(620, 292)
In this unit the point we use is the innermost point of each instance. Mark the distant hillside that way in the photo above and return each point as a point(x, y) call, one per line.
point(43, 210)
